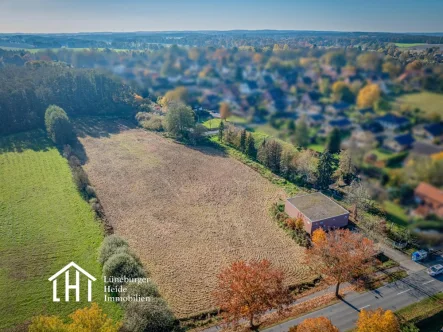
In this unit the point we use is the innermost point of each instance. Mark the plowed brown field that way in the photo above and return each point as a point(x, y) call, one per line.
point(187, 213)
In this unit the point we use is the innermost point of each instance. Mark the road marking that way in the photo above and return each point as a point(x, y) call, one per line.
point(428, 282)
point(364, 307)
point(404, 291)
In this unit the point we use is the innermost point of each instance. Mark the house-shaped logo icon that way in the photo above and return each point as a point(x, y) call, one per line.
point(75, 286)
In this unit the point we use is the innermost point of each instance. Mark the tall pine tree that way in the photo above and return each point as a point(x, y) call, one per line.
point(243, 141)
point(334, 141)
point(250, 147)
point(325, 170)
point(221, 129)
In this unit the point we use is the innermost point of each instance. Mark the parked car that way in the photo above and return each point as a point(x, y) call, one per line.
point(435, 270)
point(419, 255)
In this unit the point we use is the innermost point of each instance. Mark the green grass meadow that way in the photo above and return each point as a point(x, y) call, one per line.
point(429, 103)
point(45, 224)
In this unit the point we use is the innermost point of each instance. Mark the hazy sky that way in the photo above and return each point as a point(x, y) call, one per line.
point(150, 15)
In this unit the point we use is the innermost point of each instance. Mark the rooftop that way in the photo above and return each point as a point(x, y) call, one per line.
point(317, 206)
point(427, 190)
point(405, 139)
point(435, 129)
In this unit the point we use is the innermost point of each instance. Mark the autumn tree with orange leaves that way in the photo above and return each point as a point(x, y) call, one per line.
point(247, 290)
point(340, 255)
point(225, 111)
point(319, 324)
point(377, 320)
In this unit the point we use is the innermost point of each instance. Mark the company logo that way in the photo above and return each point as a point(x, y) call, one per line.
point(68, 286)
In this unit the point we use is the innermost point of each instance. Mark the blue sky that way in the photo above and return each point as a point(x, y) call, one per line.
point(164, 15)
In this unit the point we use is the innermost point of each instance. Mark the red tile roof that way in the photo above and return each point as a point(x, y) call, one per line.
point(429, 191)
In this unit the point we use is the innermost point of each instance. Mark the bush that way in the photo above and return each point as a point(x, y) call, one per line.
point(152, 316)
point(110, 246)
point(197, 135)
point(80, 178)
point(123, 264)
point(146, 290)
point(90, 191)
point(151, 121)
point(58, 126)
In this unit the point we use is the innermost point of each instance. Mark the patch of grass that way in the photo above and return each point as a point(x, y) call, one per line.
point(429, 103)
point(45, 224)
point(396, 213)
point(406, 45)
point(212, 123)
point(382, 155)
point(426, 314)
point(317, 147)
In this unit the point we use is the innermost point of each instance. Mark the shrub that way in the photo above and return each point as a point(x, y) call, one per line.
point(152, 316)
point(197, 134)
point(122, 264)
point(153, 122)
point(146, 290)
point(90, 191)
point(110, 246)
point(58, 126)
point(80, 178)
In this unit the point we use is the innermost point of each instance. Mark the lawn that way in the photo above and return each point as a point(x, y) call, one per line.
point(396, 213)
point(407, 45)
point(426, 314)
point(429, 103)
point(215, 122)
point(317, 147)
point(45, 224)
point(188, 212)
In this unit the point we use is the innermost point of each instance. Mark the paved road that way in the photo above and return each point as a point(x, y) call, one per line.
point(394, 296)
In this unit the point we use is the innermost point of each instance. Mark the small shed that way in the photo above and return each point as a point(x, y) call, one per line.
point(317, 211)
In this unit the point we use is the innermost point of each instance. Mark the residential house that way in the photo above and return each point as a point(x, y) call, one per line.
point(310, 98)
point(337, 108)
point(421, 150)
point(341, 123)
point(431, 132)
point(430, 200)
point(392, 122)
point(317, 211)
point(399, 143)
point(315, 119)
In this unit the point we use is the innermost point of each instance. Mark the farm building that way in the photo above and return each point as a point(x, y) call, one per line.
point(317, 210)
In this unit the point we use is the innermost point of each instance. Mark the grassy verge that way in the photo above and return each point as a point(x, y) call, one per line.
point(46, 224)
point(426, 314)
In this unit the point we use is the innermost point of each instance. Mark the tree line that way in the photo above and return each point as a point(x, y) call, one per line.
point(26, 92)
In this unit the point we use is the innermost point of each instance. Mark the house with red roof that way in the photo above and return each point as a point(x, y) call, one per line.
point(430, 200)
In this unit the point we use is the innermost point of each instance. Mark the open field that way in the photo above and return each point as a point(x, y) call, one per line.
point(407, 45)
point(187, 212)
point(45, 224)
point(429, 103)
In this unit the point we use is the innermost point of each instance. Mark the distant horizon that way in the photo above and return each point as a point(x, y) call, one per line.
point(80, 16)
point(222, 30)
